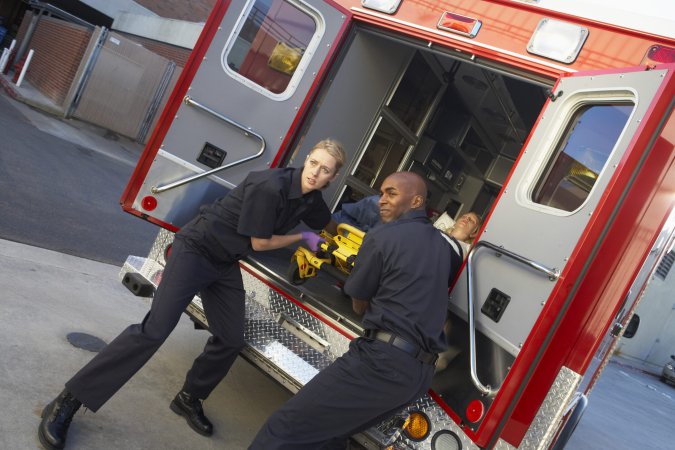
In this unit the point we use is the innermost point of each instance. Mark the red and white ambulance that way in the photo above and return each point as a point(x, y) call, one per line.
point(552, 119)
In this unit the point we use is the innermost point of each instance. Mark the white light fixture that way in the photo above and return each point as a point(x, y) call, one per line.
point(385, 6)
point(557, 40)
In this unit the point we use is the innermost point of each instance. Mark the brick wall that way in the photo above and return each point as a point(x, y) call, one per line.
point(59, 47)
point(179, 55)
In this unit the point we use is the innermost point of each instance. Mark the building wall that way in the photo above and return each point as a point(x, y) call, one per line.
point(115, 8)
point(654, 341)
point(59, 47)
point(192, 11)
point(21, 32)
point(176, 54)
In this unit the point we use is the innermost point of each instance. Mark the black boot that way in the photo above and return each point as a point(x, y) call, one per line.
point(190, 407)
point(56, 418)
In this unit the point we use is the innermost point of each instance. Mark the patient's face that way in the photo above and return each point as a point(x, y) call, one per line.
point(466, 227)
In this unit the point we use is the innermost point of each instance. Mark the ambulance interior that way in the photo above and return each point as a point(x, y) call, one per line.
point(459, 123)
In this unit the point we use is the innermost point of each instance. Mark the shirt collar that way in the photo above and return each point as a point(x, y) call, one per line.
point(296, 184)
point(414, 214)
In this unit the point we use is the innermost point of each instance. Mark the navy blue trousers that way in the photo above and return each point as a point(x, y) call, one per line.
point(366, 385)
point(188, 272)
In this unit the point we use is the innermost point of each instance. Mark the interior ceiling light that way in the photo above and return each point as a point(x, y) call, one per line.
point(557, 40)
point(385, 6)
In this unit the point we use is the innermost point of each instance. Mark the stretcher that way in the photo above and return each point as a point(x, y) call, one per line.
point(335, 256)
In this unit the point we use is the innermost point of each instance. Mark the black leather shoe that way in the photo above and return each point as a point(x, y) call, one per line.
point(56, 418)
point(190, 407)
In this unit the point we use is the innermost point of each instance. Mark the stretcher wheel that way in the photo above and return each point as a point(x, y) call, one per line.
point(293, 274)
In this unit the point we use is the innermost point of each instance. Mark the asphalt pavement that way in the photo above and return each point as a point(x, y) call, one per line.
point(45, 296)
point(61, 182)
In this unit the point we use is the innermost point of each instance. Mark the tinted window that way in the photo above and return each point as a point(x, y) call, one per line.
point(271, 44)
point(581, 155)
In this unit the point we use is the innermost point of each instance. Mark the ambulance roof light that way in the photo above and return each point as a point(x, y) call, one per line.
point(385, 6)
point(557, 40)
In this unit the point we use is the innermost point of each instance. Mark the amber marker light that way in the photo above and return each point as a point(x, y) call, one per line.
point(149, 203)
point(417, 426)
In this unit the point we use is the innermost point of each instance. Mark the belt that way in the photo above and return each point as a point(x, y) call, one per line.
point(396, 341)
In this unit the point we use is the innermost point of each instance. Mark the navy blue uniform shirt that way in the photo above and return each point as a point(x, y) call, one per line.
point(265, 203)
point(403, 269)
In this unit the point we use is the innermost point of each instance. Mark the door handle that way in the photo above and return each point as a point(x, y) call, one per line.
point(245, 131)
point(553, 274)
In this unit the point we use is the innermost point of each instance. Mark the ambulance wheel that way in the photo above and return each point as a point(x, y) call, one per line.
point(572, 422)
point(293, 274)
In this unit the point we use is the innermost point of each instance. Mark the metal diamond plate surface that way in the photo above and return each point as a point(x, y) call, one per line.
point(276, 328)
point(503, 445)
point(439, 421)
point(551, 412)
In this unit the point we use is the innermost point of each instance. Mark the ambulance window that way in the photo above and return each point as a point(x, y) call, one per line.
point(581, 155)
point(271, 42)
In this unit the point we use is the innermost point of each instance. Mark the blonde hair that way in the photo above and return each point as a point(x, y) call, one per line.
point(334, 149)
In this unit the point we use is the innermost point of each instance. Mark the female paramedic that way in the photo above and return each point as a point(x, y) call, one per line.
point(256, 215)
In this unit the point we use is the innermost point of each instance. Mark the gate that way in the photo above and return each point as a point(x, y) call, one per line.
point(125, 88)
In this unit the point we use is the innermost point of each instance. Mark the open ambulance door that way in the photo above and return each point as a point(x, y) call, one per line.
point(247, 84)
point(594, 137)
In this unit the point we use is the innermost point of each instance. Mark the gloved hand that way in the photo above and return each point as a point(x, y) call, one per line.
point(312, 239)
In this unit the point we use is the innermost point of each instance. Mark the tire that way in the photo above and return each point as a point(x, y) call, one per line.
point(571, 424)
point(293, 274)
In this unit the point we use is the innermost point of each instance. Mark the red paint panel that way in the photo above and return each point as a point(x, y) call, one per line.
point(604, 282)
point(508, 27)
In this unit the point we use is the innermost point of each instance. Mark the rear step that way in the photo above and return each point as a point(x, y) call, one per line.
point(281, 338)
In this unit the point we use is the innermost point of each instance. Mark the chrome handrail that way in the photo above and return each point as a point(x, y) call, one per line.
point(247, 132)
point(553, 275)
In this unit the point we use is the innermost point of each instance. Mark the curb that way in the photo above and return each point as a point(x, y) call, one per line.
point(7, 85)
point(627, 365)
point(11, 90)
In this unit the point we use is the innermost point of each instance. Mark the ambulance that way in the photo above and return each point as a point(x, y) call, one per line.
point(552, 119)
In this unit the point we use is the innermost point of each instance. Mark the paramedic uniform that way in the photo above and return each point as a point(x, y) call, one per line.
point(403, 269)
point(204, 259)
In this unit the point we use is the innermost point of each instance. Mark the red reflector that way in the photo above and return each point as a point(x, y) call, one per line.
point(149, 203)
point(475, 410)
point(659, 54)
point(456, 23)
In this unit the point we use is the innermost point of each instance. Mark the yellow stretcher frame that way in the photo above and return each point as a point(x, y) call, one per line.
point(335, 256)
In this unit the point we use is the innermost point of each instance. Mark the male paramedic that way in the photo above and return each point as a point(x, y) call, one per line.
point(400, 285)
point(256, 215)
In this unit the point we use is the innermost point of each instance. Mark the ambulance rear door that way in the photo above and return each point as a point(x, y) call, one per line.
point(247, 84)
point(587, 142)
